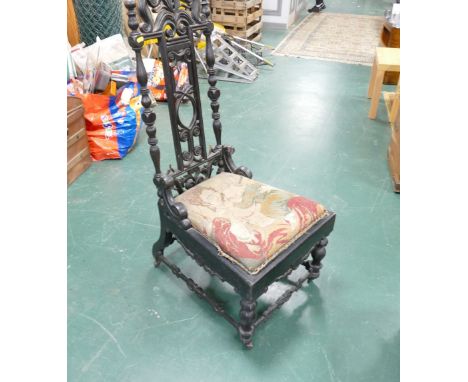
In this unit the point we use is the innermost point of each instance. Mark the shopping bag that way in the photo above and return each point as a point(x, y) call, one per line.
point(112, 122)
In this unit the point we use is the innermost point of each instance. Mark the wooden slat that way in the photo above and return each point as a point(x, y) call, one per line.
point(236, 17)
point(234, 4)
point(78, 165)
point(256, 36)
point(77, 147)
point(244, 33)
point(76, 137)
point(75, 112)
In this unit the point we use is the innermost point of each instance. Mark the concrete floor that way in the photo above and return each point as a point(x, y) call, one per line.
point(301, 126)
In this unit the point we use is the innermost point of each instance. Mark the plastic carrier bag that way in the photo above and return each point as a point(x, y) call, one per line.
point(112, 122)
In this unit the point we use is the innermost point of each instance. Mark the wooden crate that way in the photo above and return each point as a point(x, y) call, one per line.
point(236, 16)
point(249, 31)
point(78, 158)
point(234, 4)
point(241, 18)
point(256, 36)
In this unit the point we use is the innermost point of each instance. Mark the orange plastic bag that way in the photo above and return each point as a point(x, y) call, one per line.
point(156, 82)
point(112, 123)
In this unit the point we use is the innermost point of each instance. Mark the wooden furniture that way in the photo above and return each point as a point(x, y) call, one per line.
point(394, 152)
point(395, 109)
point(241, 18)
point(78, 158)
point(386, 59)
point(244, 232)
point(390, 38)
point(73, 31)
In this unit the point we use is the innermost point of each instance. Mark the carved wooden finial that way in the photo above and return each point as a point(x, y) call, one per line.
point(132, 16)
point(213, 91)
point(205, 9)
point(196, 10)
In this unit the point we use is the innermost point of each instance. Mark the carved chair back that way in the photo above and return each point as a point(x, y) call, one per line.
point(175, 52)
point(173, 31)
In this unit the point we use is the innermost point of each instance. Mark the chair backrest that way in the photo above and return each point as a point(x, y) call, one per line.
point(175, 52)
point(173, 31)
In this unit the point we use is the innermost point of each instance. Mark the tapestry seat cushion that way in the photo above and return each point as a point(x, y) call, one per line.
point(248, 221)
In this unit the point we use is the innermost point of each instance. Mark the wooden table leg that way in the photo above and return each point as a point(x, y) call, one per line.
point(377, 90)
point(372, 79)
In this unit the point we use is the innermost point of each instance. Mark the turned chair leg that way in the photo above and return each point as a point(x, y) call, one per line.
point(376, 92)
point(247, 318)
point(314, 265)
point(165, 239)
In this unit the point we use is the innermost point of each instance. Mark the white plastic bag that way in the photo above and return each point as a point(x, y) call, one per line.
point(109, 50)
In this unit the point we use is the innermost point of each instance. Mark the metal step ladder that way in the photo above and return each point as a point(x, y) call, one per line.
point(230, 65)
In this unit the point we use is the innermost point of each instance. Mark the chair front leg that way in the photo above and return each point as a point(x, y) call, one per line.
point(166, 238)
point(314, 265)
point(247, 319)
point(318, 253)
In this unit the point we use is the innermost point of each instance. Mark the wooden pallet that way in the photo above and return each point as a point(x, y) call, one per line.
point(241, 17)
point(248, 31)
point(234, 4)
point(256, 37)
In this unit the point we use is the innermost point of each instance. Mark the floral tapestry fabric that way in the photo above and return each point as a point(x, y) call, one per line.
point(250, 222)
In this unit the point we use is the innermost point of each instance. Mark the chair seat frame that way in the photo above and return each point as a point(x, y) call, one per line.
point(173, 31)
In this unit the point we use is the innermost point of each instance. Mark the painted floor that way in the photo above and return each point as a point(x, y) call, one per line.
point(302, 126)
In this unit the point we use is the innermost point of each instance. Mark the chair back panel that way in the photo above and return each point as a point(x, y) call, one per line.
point(189, 137)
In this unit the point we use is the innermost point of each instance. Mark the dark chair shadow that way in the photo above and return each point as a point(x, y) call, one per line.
point(286, 316)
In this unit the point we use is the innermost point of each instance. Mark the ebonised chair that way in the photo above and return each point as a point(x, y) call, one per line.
point(245, 232)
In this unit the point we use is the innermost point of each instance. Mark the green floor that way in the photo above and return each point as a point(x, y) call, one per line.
point(301, 126)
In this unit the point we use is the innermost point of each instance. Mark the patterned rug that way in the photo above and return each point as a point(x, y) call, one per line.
point(347, 38)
